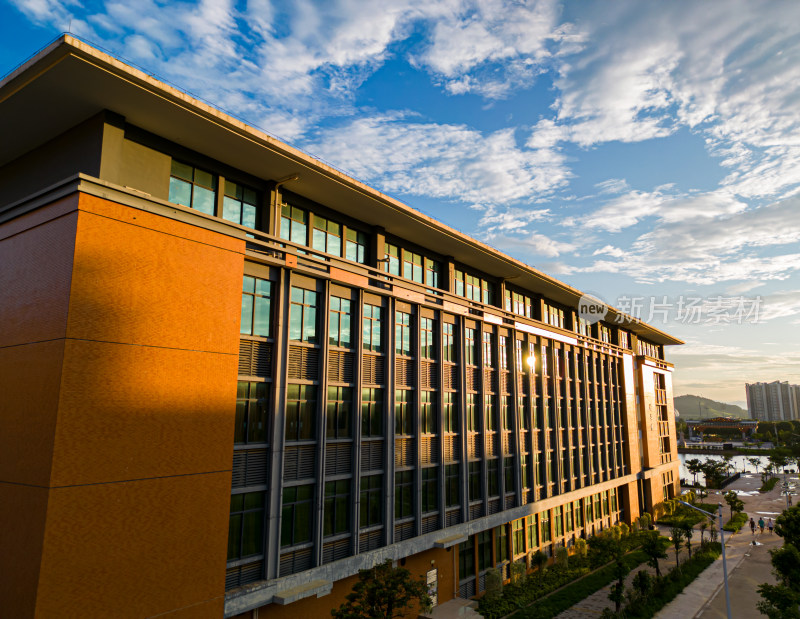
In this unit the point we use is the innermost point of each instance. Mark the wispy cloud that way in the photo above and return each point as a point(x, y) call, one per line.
point(453, 162)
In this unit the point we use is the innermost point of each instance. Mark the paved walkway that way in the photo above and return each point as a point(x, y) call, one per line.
point(593, 605)
point(748, 565)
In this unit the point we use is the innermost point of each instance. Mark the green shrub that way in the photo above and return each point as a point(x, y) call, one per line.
point(736, 523)
point(769, 484)
point(665, 589)
point(574, 591)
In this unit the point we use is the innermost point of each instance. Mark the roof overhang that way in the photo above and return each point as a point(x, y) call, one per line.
point(70, 81)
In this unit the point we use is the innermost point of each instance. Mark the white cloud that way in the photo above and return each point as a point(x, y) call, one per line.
point(490, 47)
point(453, 162)
point(744, 245)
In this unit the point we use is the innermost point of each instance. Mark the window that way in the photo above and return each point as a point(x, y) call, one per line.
point(578, 510)
point(430, 489)
point(524, 417)
point(193, 187)
point(402, 335)
point(487, 348)
point(412, 266)
point(301, 404)
point(392, 258)
point(605, 502)
point(524, 471)
point(493, 473)
point(533, 542)
point(597, 512)
point(404, 494)
point(558, 521)
point(506, 414)
point(624, 340)
point(490, 413)
point(452, 485)
point(297, 515)
point(326, 236)
point(553, 316)
point(251, 413)
point(256, 305)
point(568, 523)
point(371, 412)
point(239, 204)
point(303, 316)
point(294, 224)
point(448, 343)
point(470, 348)
point(339, 412)
point(613, 494)
point(589, 509)
point(466, 558)
point(246, 528)
point(503, 352)
point(339, 322)
point(403, 420)
point(429, 421)
point(484, 550)
point(508, 474)
point(544, 518)
point(604, 333)
point(431, 273)
point(518, 303)
point(472, 287)
point(584, 327)
point(450, 412)
point(355, 246)
point(371, 333)
point(518, 536)
point(474, 481)
point(472, 413)
point(337, 507)
point(501, 541)
point(426, 337)
point(370, 500)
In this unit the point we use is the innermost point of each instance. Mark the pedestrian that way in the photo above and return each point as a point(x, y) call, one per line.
point(761, 524)
point(753, 526)
point(770, 526)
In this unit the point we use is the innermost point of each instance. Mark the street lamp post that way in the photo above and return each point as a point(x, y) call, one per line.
point(722, 541)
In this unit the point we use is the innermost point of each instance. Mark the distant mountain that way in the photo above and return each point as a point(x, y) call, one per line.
point(698, 407)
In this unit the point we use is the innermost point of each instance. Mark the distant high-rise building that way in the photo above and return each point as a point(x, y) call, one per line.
point(775, 401)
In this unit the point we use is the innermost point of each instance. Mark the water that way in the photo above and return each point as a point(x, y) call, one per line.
point(740, 464)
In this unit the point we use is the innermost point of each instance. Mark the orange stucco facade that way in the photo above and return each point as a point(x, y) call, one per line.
point(118, 362)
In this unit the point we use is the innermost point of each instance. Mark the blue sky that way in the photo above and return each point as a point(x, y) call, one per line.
point(641, 151)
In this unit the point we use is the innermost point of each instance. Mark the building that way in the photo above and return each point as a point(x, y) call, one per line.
point(232, 375)
point(775, 401)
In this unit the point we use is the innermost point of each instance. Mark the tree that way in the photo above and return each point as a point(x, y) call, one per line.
point(688, 531)
point(703, 527)
point(694, 466)
point(654, 549)
point(782, 599)
point(642, 582)
point(538, 560)
point(677, 542)
point(728, 463)
point(701, 493)
point(383, 592)
point(734, 502)
point(755, 462)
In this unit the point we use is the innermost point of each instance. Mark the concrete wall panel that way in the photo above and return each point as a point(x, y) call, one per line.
point(142, 279)
point(30, 378)
point(134, 549)
point(131, 412)
point(35, 280)
point(22, 514)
